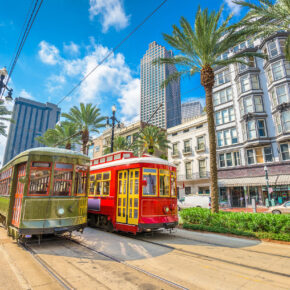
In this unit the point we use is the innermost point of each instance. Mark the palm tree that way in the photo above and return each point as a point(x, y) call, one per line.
point(120, 143)
point(61, 136)
point(3, 117)
point(200, 49)
point(267, 18)
point(87, 119)
point(151, 139)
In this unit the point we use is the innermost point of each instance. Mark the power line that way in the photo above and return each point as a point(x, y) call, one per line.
point(112, 51)
point(25, 34)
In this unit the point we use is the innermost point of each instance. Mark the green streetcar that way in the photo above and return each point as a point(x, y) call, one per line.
point(44, 191)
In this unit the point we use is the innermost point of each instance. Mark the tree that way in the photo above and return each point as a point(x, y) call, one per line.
point(200, 49)
point(63, 135)
point(151, 139)
point(4, 113)
point(266, 18)
point(120, 144)
point(87, 119)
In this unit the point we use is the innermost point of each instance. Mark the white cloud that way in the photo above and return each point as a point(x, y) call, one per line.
point(71, 48)
point(24, 94)
point(112, 13)
point(235, 8)
point(112, 81)
point(48, 53)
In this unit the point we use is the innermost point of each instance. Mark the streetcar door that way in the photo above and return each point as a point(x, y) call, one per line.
point(122, 196)
point(18, 195)
point(128, 197)
point(133, 197)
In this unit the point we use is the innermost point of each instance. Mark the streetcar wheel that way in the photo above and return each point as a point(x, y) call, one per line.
point(276, 212)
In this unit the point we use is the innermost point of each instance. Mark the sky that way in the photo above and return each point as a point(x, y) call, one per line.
point(69, 38)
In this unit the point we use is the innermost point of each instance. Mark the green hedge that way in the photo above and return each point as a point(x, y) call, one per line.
point(260, 225)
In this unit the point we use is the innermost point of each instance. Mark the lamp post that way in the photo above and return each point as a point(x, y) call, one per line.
point(3, 75)
point(267, 182)
point(113, 118)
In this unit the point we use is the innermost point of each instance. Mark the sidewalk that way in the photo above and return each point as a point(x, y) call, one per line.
point(19, 270)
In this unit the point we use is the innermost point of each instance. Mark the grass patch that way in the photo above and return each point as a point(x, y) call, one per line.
point(258, 225)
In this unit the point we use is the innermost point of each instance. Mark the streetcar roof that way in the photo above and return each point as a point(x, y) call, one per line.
point(132, 160)
point(48, 151)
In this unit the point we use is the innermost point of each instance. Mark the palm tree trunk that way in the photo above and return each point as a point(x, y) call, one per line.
point(85, 140)
point(151, 150)
point(207, 81)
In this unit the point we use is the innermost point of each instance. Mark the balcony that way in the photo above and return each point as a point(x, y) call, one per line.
point(200, 148)
point(175, 154)
point(194, 176)
point(187, 151)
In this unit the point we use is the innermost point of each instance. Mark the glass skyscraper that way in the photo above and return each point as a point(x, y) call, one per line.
point(31, 119)
point(191, 109)
point(152, 95)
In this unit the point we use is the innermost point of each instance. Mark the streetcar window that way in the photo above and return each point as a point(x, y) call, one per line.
point(109, 158)
point(117, 156)
point(5, 180)
point(92, 184)
point(150, 176)
point(164, 182)
point(63, 166)
point(126, 155)
point(103, 184)
point(96, 161)
point(39, 181)
point(173, 184)
point(62, 181)
point(41, 164)
point(80, 182)
point(102, 160)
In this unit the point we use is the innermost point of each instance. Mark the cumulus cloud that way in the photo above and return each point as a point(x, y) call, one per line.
point(48, 53)
point(112, 14)
point(112, 80)
point(71, 48)
point(24, 94)
point(235, 8)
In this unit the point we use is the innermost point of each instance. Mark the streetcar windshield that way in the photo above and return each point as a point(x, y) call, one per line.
point(150, 178)
point(80, 182)
point(164, 182)
point(39, 178)
point(63, 174)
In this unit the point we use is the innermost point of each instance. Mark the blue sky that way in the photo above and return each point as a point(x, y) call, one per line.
point(69, 38)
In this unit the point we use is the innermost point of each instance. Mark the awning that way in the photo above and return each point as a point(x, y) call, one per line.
point(283, 179)
point(248, 181)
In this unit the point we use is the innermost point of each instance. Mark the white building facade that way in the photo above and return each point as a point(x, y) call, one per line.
point(252, 115)
point(190, 153)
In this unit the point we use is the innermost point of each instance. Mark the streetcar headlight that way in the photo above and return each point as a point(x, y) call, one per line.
point(166, 209)
point(60, 211)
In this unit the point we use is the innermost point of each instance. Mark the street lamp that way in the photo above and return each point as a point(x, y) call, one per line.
point(3, 75)
point(267, 182)
point(113, 118)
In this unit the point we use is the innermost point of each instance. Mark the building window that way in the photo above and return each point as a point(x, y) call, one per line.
point(285, 151)
point(187, 190)
point(174, 149)
point(225, 116)
point(128, 139)
point(200, 143)
point(261, 127)
point(250, 63)
point(278, 123)
point(260, 155)
point(227, 137)
point(188, 170)
point(258, 104)
point(277, 70)
point(282, 44)
point(229, 159)
point(203, 190)
point(202, 168)
point(97, 148)
point(249, 82)
point(286, 121)
point(248, 105)
point(222, 77)
point(272, 48)
point(187, 146)
point(222, 96)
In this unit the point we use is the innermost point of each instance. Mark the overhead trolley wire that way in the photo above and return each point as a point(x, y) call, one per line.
point(24, 34)
point(112, 51)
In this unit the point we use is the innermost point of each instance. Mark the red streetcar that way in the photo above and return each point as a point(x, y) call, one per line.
point(132, 194)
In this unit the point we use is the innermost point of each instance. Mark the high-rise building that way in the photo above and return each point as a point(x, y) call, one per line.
point(190, 109)
point(152, 95)
point(31, 119)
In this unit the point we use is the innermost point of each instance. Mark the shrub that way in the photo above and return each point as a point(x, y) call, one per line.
point(244, 223)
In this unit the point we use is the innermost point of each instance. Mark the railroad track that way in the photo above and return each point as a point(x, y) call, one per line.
point(64, 283)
